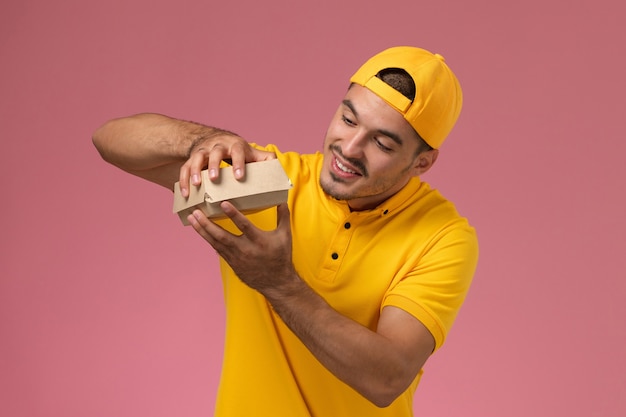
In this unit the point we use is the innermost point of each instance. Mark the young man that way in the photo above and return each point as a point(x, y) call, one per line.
point(336, 299)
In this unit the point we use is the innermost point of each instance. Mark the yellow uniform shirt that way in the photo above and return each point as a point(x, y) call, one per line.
point(414, 252)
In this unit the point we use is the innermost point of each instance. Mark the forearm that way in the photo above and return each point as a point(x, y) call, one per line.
point(369, 362)
point(149, 145)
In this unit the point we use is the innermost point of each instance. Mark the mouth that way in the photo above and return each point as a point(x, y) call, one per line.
point(343, 169)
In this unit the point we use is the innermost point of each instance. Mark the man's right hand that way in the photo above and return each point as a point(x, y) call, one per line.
point(211, 151)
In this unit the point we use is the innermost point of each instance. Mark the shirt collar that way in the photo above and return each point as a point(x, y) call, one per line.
point(386, 207)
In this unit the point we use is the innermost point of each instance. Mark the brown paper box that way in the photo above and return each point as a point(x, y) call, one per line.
point(265, 185)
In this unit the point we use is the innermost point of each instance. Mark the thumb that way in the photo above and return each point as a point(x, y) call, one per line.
point(283, 215)
point(259, 155)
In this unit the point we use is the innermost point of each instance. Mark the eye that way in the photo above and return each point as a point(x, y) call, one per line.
point(382, 145)
point(347, 121)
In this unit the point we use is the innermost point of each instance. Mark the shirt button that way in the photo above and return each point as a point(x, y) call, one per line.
point(334, 255)
point(347, 225)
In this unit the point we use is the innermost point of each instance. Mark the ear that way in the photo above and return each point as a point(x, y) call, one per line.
point(424, 161)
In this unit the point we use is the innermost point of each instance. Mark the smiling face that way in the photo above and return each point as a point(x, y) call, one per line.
point(370, 151)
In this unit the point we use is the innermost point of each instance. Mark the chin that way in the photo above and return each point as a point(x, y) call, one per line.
point(329, 186)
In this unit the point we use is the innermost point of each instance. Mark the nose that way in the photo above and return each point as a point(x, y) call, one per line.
point(353, 145)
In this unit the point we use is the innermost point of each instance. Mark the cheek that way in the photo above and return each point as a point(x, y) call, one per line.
point(337, 126)
point(389, 168)
point(334, 129)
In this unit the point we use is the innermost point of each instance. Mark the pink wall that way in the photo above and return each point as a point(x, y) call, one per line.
point(109, 307)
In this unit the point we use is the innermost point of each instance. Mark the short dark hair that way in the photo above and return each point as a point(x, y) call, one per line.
point(401, 81)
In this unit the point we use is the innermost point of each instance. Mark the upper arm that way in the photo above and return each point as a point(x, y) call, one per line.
point(412, 341)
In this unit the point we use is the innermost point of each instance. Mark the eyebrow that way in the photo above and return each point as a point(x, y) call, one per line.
point(391, 135)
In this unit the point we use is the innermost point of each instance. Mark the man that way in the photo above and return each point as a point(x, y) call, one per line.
point(336, 299)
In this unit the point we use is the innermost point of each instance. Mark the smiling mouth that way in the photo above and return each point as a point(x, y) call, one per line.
point(344, 168)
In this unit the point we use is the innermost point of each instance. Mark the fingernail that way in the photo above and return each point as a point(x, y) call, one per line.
point(213, 173)
point(195, 179)
point(238, 173)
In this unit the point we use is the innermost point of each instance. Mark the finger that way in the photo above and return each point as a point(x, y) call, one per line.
point(259, 155)
point(239, 157)
point(196, 219)
point(241, 153)
point(184, 177)
point(190, 172)
point(198, 161)
point(215, 235)
point(243, 224)
point(217, 154)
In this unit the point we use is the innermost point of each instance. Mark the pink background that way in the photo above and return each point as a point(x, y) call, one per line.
point(109, 307)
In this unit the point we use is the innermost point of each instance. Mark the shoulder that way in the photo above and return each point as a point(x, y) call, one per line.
point(296, 165)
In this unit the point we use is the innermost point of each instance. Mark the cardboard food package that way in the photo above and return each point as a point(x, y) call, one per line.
point(265, 185)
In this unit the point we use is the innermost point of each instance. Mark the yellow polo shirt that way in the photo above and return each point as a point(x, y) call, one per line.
point(414, 252)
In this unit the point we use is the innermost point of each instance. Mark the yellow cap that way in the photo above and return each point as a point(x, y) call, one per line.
point(438, 96)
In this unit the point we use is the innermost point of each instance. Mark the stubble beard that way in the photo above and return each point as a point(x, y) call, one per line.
point(328, 185)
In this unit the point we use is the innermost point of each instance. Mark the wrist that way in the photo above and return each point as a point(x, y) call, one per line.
point(290, 290)
point(199, 135)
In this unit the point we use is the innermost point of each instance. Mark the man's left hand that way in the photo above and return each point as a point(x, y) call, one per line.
point(261, 259)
